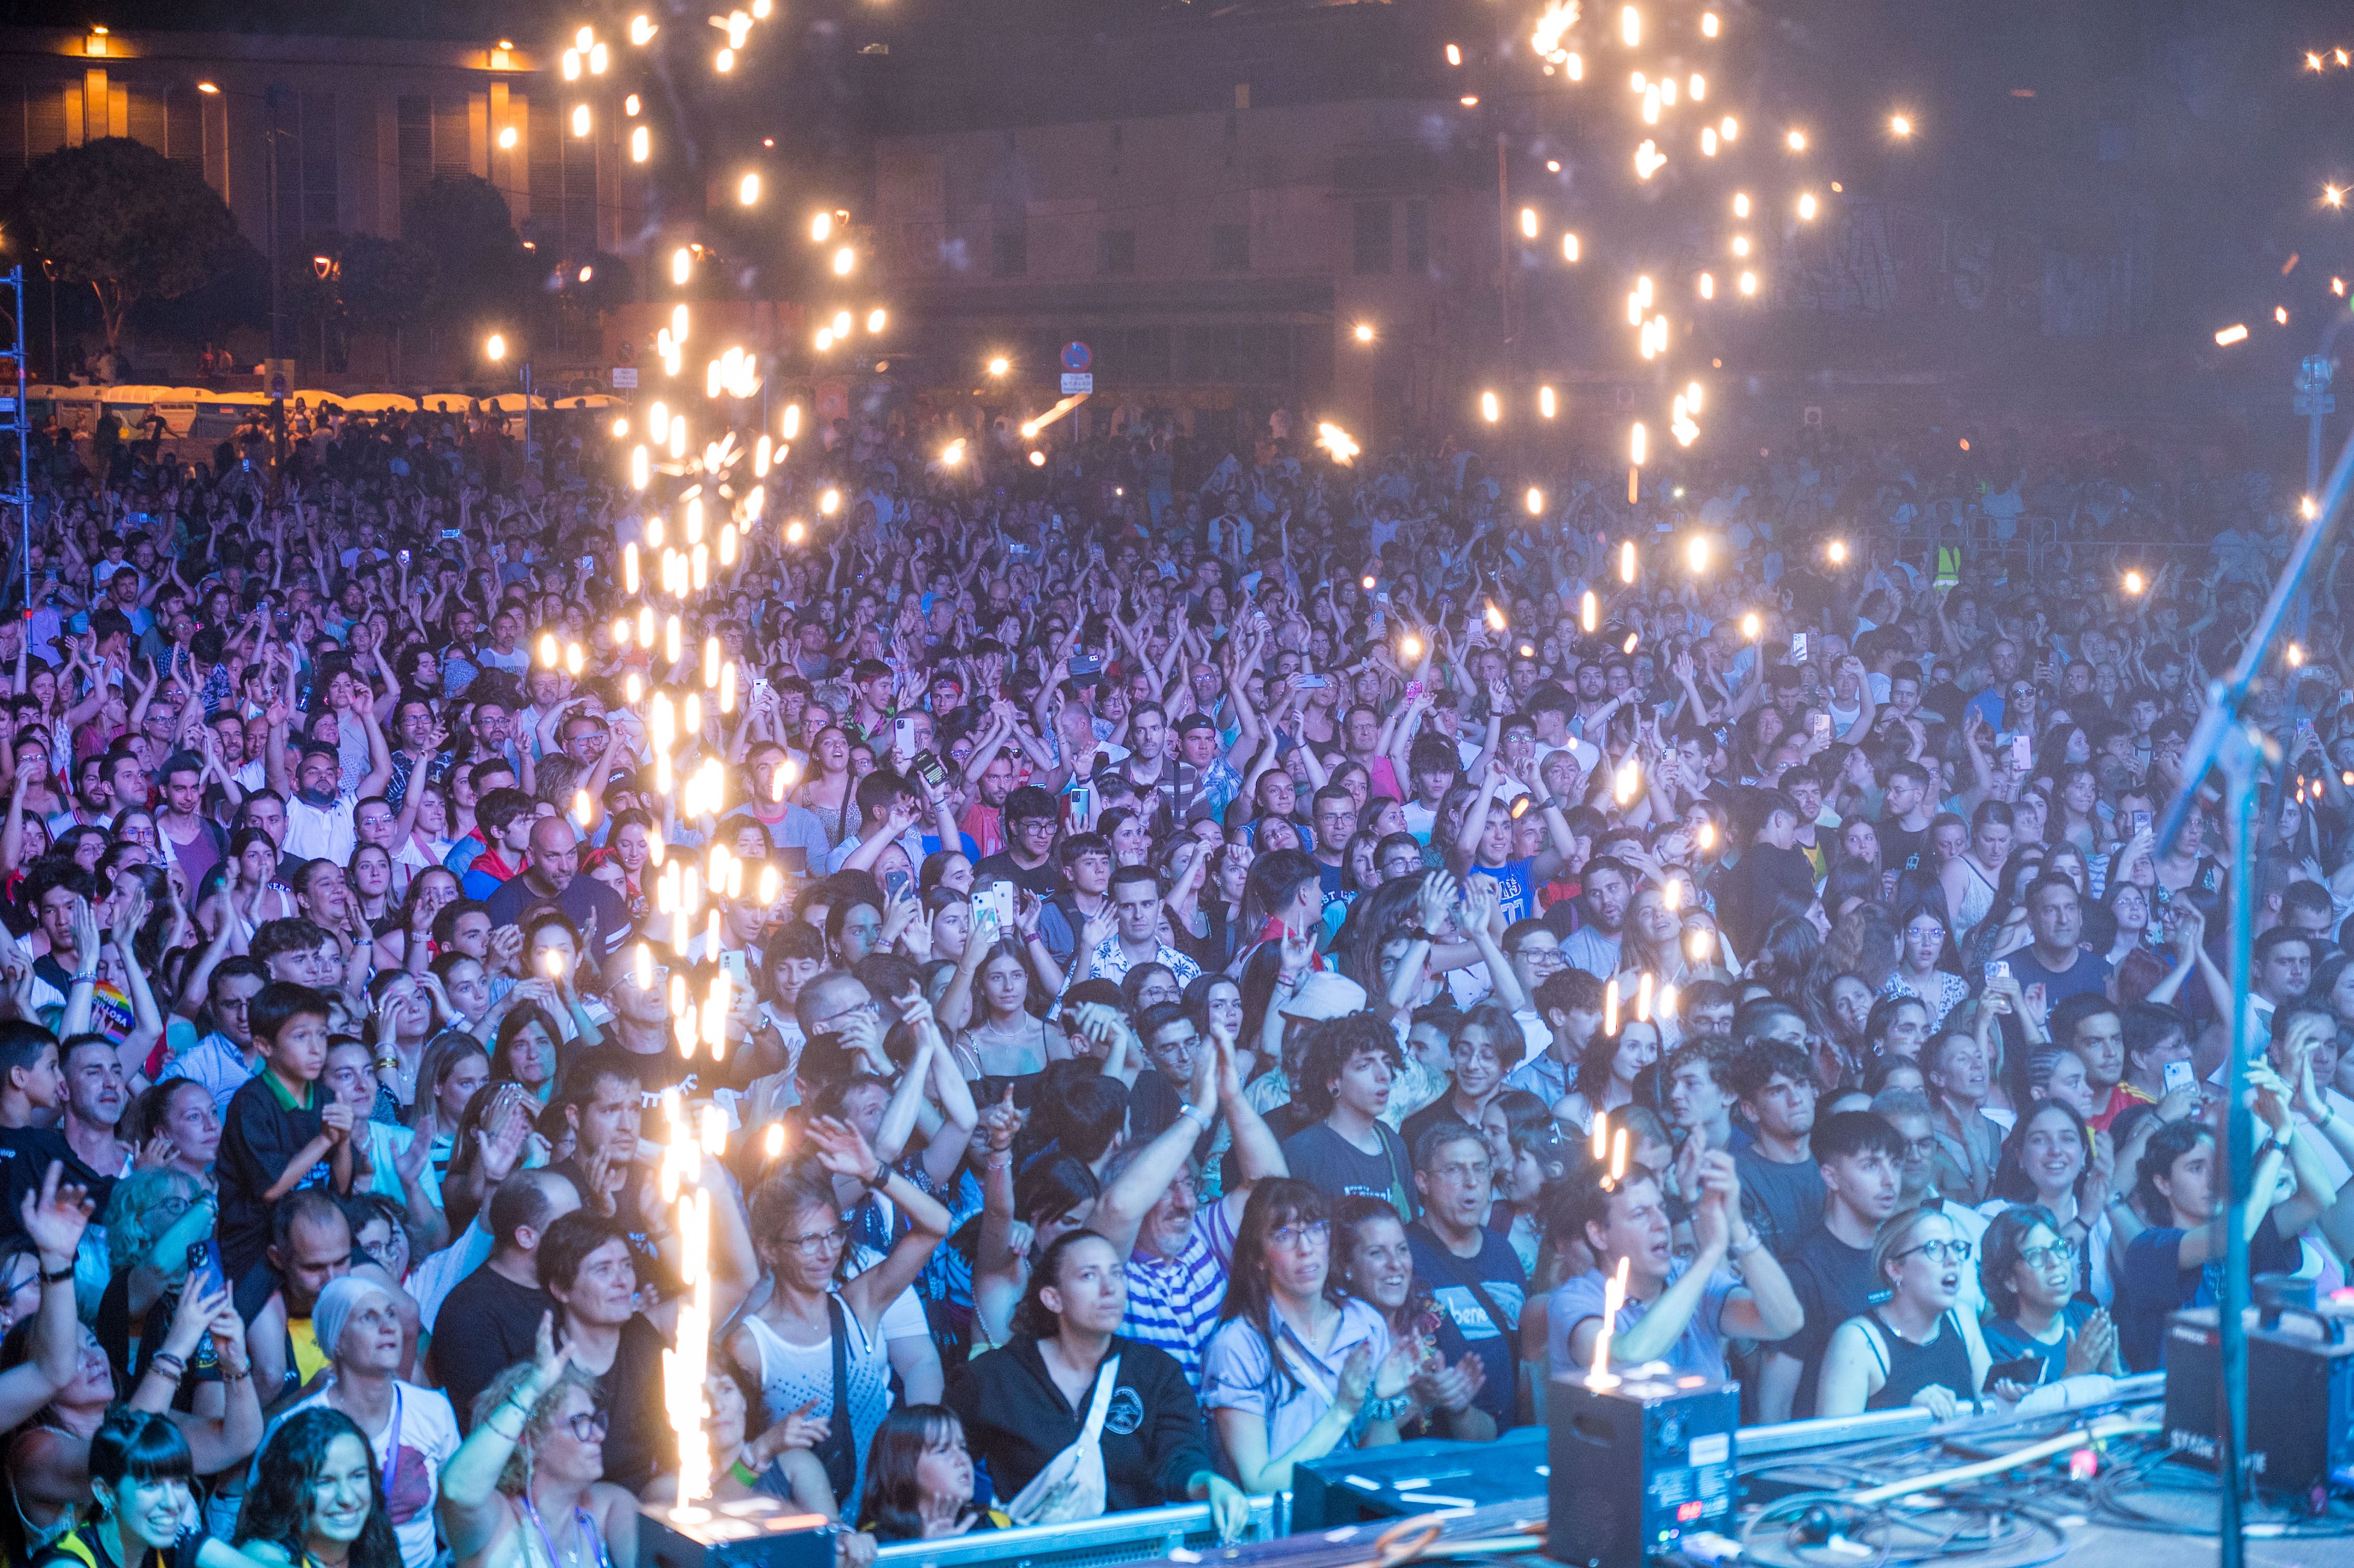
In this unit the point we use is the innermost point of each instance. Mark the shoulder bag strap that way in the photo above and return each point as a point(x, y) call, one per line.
point(1505, 1327)
point(1101, 1404)
point(839, 1452)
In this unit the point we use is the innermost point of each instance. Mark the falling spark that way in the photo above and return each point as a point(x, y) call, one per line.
point(2308, 509)
point(1627, 549)
point(1545, 405)
point(1806, 206)
point(1589, 612)
point(1740, 204)
point(1454, 55)
point(1707, 142)
point(1569, 247)
point(1729, 128)
point(1899, 125)
point(682, 266)
point(1637, 444)
point(1648, 159)
point(1708, 285)
point(1749, 283)
point(747, 190)
point(1364, 332)
point(1558, 17)
point(1336, 443)
point(1528, 223)
point(1490, 409)
point(1838, 552)
point(843, 261)
point(1798, 140)
point(999, 365)
point(2280, 315)
point(2231, 335)
point(1708, 24)
point(2133, 582)
point(1630, 26)
point(1535, 502)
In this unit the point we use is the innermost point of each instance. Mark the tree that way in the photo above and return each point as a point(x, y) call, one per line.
point(386, 284)
point(133, 225)
point(484, 271)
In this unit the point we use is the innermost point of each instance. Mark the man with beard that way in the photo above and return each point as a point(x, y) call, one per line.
point(318, 808)
point(83, 1140)
point(551, 875)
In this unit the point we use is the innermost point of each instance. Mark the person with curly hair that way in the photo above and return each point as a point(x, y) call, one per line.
point(527, 1486)
point(317, 1499)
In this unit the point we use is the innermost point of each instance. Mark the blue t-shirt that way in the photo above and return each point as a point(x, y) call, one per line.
point(1698, 1350)
point(1516, 885)
point(2155, 1284)
point(2007, 1341)
point(1466, 1325)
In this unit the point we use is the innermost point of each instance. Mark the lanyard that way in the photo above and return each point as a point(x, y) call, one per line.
point(392, 1461)
point(581, 1521)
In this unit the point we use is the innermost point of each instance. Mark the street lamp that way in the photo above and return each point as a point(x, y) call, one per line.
point(323, 268)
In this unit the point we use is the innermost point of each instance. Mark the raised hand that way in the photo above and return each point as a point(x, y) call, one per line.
point(56, 1218)
point(843, 1149)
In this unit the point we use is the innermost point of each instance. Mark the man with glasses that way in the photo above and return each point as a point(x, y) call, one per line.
point(1171, 1045)
point(1859, 1155)
point(1474, 1277)
point(1537, 954)
point(1907, 1111)
point(1030, 821)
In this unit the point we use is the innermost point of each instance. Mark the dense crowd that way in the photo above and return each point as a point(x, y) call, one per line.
point(1206, 959)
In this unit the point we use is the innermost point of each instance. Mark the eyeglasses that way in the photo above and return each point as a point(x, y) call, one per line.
point(1472, 1174)
point(832, 1020)
point(1913, 1146)
point(1299, 1239)
point(817, 1244)
point(2038, 1256)
point(590, 1426)
point(1940, 1251)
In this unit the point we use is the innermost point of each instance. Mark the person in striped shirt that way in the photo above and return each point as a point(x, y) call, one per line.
point(1150, 1211)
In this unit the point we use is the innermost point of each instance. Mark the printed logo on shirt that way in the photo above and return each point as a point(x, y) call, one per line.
point(1125, 1412)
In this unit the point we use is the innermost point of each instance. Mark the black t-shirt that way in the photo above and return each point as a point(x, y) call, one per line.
point(260, 1136)
point(1464, 1325)
point(1833, 1282)
point(1901, 848)
point(583, 898)
point(488, 1323)
point(1439, 1110)
point(1041, 879)
point(58, 1554)
point(1781, 1203)
point(638, 1444)
point(27, 1152)
point(1338, 1168)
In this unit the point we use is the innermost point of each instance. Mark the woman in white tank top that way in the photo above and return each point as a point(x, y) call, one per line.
point(792, 1340)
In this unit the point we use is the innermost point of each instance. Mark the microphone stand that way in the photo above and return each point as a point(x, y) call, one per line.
point(2242, 753)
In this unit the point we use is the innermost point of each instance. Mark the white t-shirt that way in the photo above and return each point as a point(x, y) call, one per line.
point(427, 1428)
point(321, 832)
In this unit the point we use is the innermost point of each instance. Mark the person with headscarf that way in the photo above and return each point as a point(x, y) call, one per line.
point(412, 1429)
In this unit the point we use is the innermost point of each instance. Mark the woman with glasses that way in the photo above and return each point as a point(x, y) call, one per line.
point(411, 1430)
point(1913, 1347)
point(2049, 1163)
point(1924, 952)
point(2030, 1272)
point(804, 1239)
point(527, 1486)
point(1289, 1375)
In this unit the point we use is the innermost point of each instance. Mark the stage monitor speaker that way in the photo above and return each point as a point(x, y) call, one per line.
point(752, 1532)
point(2300, 1396)
point(1638, 1462)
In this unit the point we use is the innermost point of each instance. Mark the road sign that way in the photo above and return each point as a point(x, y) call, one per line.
point(625, 376)
point(2305, 403)
point(1074, 384)
point(1077, 358)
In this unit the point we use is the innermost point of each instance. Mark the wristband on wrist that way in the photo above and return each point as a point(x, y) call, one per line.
point(58, 1276)
point(1196, 1113)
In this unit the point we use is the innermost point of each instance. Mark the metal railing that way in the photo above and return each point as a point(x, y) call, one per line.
point(1137, 1536)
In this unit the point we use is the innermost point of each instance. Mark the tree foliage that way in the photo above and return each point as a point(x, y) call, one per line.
point(483, 272)
point(120, 217)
